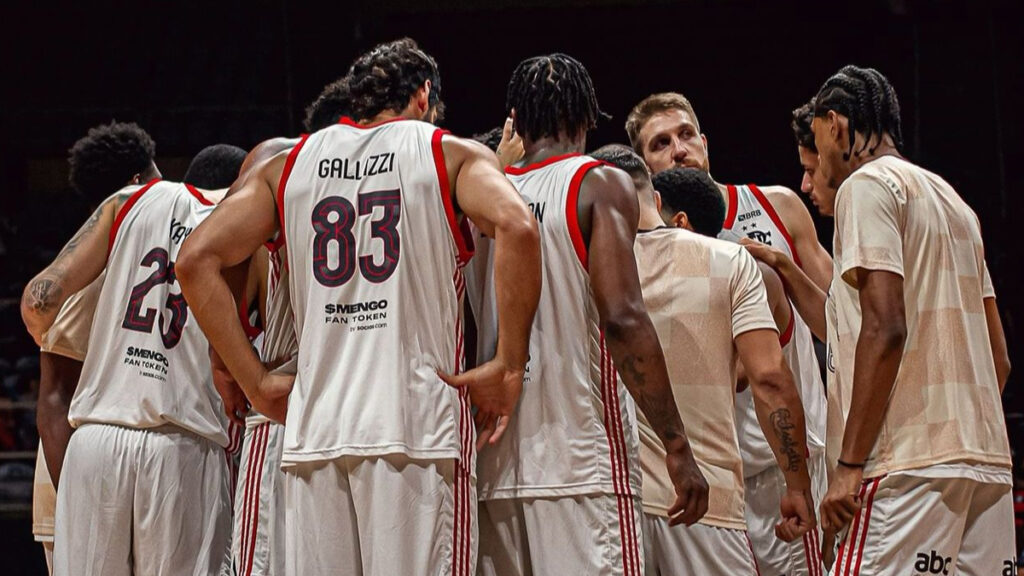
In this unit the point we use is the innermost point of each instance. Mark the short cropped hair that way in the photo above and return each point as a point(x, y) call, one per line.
point(648, 107)
point(623, 158)
point(108, 157)
point(692, 191)
point(215, 167)
point(801, 124)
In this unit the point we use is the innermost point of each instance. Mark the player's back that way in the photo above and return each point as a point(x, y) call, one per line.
point(914, 224)
point(700, 292)
point(148, 362)
point(373, 257)
point(574, 432)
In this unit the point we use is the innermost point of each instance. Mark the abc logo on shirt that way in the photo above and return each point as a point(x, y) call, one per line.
point(932, 564)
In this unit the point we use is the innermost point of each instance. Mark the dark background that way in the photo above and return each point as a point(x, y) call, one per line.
point(193, 74)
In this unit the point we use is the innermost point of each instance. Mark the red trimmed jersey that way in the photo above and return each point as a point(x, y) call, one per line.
point(148, 363)
point(374, 257)
point(575, 430)
point(751, 215)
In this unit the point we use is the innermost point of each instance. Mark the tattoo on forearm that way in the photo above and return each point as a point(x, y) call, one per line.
point(783, 427)
point(663, 415)
point(42, 294)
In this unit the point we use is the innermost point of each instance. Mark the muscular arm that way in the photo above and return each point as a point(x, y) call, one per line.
point(998, 342)
point(781, 312)
point(876, 361)
point(484, 194)
point(608, 215)
point(807, 297)
point(236, 229)
point(814, 260)
point(58, 379)
point(78, 264)
point(776, 402)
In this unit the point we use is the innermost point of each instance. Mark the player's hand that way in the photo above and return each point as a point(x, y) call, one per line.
point(797, 509)
point(236, 405)
point(274, 388)
point(691, 488)
point(828, 547)
point(510, 149)
point(763, 252)
point(494, 388)
point(842, 501)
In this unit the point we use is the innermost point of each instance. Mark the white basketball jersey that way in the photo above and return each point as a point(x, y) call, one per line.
point(148, 363)
point(575, 430)
point(374, 256)
point(277, 342)
point(751, 215)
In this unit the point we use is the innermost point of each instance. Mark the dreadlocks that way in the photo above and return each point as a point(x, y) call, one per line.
point(387, 76)
point(867, 99)
point(801, 125)
point(552, 94)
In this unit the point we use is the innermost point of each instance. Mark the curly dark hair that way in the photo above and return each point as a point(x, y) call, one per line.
point(108, 157)
point(868, 100)
point(552, 94)
point(215, 167)
point(801, 125)
point(387, 76)
point(692, 191)
point(624, 158)
point(491, 138)
point(333, 102)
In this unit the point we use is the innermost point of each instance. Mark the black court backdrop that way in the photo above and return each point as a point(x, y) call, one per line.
point(194, 74)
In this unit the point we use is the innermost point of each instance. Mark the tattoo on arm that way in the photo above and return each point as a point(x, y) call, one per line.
point(661, 413)
point(43, 293)
point(783, 427)
point(82, 233)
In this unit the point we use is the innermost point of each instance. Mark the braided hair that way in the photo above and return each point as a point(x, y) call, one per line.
point(106, 159)
point(552, 94)
point(867, 99)
point(801, 125)
point(387, 76)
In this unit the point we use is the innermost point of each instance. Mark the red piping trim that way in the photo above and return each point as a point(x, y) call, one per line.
point(730, 215)
point(123, 212)
point(572, 213)
point(446, 197)
point(198, 195)
point(763, 200)
point(345, 120)
point(520, 170)
point(787, 334)
point(285, 173)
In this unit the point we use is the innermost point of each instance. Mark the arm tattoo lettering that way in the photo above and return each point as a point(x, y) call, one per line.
point(783, 428)
point(43, 293)
point(661, 414)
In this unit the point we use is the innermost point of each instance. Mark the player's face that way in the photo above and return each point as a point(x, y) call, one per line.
point(813, 184)
point(829, 140)
point(670, 139)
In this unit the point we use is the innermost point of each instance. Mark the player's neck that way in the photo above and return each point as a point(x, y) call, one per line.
point(650, 218)
point(884, 148)
point(550, 146)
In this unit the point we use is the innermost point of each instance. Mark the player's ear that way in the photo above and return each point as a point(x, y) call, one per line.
point(657, 200)
point(681, 220)
point(422, 97)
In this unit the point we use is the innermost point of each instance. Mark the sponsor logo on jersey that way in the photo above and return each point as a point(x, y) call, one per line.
point(932, 563)
point(764, 237)
point(152, 363)
point(749, 215)
point(1009, 568)
point(361, 315)
point(349, 169)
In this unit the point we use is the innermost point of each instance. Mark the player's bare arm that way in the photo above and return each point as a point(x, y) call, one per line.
point(608, 214)
point(877, 360)
point(997, 339)
point(484, 194)
point(58, 380)
point(814, 260)
point(235, 230)
point(807, 297)
point(78, 263)
point(782, 313)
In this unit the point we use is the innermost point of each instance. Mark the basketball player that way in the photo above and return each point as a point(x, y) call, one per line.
point(711, 309)
point(368, 213)
point(923, 479)
point(144, 472)
point(567, 470)
point(664, 130)
point(257, 537)
point(109, 157)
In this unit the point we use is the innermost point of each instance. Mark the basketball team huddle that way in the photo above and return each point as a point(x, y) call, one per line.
point(504, 355)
